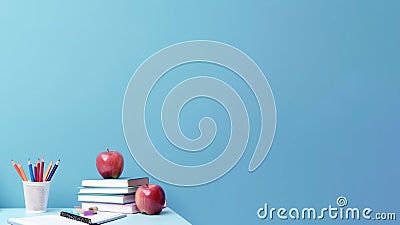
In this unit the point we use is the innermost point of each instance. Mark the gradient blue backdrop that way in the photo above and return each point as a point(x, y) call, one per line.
point(333, 68)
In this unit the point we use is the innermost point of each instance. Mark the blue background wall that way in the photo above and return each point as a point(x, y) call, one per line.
point(333, 68)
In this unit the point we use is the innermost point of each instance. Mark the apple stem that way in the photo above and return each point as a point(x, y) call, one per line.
point(108, 150)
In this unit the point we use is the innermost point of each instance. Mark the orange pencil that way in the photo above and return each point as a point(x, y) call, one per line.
point(22, 172)
point(16, 168)
point(48, 171)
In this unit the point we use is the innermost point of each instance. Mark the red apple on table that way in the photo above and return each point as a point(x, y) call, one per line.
point(150, 199)
point(110, 164)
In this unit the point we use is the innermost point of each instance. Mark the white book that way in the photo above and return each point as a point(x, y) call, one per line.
point(120, 182)
point(107, 190)
point(120, 199)
point(129, 208)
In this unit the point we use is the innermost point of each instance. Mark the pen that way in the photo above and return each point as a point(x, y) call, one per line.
point(48, 171)
point(22, 172)
point(16, 168)
point(53, 171)
point(31, 170)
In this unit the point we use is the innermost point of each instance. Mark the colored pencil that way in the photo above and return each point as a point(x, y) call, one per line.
point(37, 170)
point(48, 171)
point(53, 170)
point(31, 170)
point(22, 172)
point(41, 170)
point(17, 169)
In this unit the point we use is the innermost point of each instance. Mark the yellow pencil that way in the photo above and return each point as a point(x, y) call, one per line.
point(48, 171)
point(22, 172)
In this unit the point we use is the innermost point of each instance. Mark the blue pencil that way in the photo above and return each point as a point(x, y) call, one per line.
point(53, 170)
point(31, 170)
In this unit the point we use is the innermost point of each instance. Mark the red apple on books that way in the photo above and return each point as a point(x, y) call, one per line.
point(110, 164)
point(150, 199)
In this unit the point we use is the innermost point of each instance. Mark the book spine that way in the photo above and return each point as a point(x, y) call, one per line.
point(75, 217)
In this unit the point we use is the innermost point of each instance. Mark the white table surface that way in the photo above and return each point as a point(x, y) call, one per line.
point(166, 217)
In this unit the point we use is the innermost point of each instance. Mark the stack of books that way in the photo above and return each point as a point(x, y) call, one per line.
point(112, 195)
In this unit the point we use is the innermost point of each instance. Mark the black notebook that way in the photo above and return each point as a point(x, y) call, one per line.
point(98, 218)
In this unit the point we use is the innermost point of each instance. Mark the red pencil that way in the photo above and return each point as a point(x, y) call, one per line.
point(41, 170)
point(37, 168)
